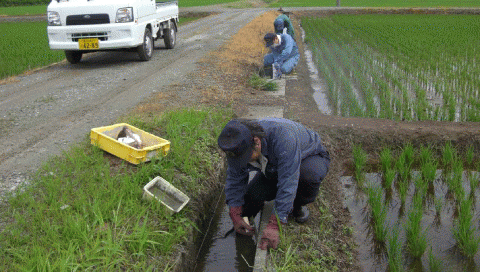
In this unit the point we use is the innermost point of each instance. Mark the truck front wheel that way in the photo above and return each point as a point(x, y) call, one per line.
point(145, 50)
point(73, 56)
point(170, 38)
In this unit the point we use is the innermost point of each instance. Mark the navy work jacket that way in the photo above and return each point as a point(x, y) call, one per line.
point(285, 145)
point(285, 50)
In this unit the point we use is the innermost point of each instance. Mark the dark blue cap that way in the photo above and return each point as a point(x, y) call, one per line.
point(237, 142)
point(269, 37)
point(279, 25)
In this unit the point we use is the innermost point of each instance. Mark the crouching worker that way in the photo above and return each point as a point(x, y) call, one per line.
point(290, 163)
point(284, 54)
point(283, 25)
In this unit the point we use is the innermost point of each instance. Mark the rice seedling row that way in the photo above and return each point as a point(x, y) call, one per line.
point(416, 215)
point(411, 75)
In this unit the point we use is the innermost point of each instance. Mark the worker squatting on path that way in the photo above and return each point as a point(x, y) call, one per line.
point(290, 163)
point(284, 53)
point(283, 25)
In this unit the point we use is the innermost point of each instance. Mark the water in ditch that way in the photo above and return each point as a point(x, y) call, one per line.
point(438, 227)
point(222, 248)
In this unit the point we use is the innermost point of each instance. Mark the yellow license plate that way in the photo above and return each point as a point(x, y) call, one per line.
point(88, 44)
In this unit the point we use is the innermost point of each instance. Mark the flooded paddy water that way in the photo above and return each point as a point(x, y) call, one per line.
point(437, 223)
point(320, 94)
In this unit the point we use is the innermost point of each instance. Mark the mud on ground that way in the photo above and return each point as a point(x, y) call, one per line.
point(222, 80)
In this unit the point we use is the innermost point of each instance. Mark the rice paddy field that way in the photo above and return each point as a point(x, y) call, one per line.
point(419, 211)
point(23, 10)
point(376, 3)
point(400, 67)
point(24, 47)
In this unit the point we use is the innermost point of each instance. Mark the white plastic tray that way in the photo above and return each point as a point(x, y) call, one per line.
point(161, 190)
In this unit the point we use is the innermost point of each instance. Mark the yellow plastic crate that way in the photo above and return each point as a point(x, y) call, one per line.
point(105, 138)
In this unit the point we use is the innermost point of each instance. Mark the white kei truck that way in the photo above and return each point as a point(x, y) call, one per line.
point(84, 26)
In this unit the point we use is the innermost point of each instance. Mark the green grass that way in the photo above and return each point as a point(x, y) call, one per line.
point(376, 3)
point(395, 65)
point(298, 248)
point(79, 213)
point(24, 47)
point(260, 83)
point(24, 10)
point(186, 20)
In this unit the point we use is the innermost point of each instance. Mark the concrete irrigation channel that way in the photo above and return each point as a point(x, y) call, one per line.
point(44, 112)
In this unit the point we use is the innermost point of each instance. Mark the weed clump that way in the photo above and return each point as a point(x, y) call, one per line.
point(260, 83)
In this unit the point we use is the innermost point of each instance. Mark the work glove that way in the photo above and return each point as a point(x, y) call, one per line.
point(239, 224)
point(270, 234)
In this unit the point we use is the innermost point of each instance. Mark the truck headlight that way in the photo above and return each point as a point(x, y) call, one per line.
point(124, 15)
point(53, 18)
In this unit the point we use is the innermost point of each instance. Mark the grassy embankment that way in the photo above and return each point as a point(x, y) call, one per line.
point(414, 67)
point(84, 209)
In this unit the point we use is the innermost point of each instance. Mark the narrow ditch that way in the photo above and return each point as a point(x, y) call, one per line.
point(223, 249)
point(217, 246)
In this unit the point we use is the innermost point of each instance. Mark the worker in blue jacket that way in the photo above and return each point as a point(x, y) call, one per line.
point(284, 54)
point(290, 163)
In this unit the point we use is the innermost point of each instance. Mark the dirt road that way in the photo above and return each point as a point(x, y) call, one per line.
point(45, 112)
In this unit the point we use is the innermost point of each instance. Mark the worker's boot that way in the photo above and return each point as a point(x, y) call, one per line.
point(300, 214)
